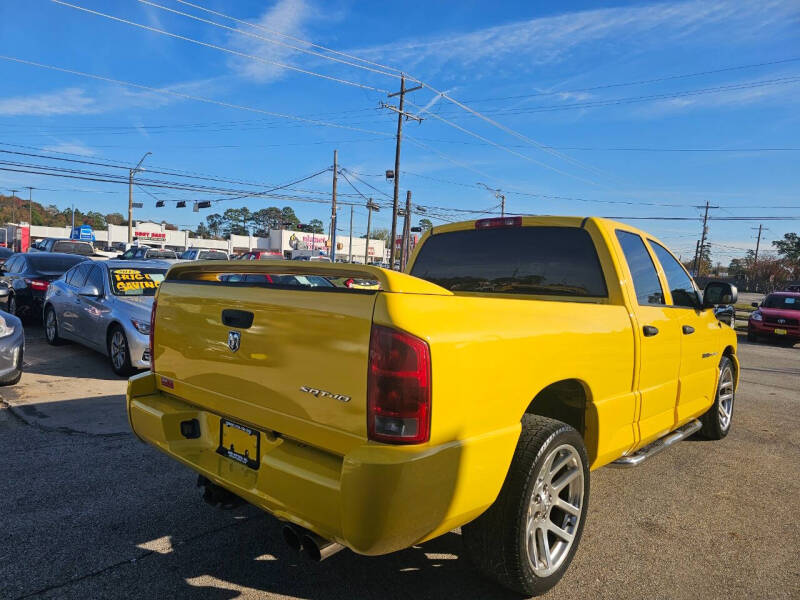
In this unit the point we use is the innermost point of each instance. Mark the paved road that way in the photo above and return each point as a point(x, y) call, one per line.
point(89, 512)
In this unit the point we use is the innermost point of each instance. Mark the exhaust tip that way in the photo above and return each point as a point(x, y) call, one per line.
point(291, 538)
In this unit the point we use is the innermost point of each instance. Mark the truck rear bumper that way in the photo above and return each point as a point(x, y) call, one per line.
point(376, 499)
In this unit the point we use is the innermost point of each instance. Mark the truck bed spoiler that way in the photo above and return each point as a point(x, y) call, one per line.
point(389, 281)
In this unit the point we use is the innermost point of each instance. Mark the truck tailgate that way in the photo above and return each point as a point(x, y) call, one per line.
point(300, 369)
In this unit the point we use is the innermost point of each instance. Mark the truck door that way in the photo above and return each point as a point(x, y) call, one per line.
point(658, 338)
point(699, 335)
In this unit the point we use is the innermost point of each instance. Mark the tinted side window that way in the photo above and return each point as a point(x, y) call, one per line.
point(95, 278)
point(643, 271)
point(559, 261)
point(680, 284)
point(78, 277)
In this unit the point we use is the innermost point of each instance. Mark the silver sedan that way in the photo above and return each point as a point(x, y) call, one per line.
point(106, 306)
point(12, 346)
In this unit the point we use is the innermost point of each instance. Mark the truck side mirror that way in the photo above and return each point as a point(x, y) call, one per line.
point(719, 292)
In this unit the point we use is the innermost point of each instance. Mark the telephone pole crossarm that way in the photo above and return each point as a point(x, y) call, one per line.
point(403, 113)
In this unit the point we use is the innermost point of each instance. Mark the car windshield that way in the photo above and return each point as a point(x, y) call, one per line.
point(136, 282)
point(782, 302)
point(52, 263)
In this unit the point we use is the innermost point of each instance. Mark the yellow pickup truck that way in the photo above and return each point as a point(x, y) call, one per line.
point(477, 390)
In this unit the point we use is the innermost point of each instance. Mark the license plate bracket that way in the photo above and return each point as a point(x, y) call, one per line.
point(240, 443)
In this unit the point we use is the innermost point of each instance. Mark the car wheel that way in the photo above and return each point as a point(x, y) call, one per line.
point(752, 337)
point(118, 352)
point(51, 327)
point(16, 374)
point(12, 305)
point(717, 420)
point(526, 540)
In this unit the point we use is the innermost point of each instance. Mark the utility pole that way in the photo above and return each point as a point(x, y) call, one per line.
point(370, 207)
point(332, 236)
point(401, 114)
point(350, 245)
point(703, 238)
point(758, 241)
point(131, 173)
point(498, 193)
point(30, 208)
point(694, 262)
point(13, 205)
point(406, 232)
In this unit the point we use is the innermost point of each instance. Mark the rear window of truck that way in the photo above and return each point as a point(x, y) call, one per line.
point(557, 261)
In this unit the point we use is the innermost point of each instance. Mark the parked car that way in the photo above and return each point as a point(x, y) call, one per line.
point(154, 253)
point(64, 246)
point(259, 255)
point(130, 253)
point(476, 390)
point(12, 346)
point(200, 254)
point(777, 317)
point(106, 306)
point(29, 275)
point(5, 254)
point(727, 314)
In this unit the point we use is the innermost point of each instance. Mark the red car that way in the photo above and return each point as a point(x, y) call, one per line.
point(259, 255)
point(778, 316)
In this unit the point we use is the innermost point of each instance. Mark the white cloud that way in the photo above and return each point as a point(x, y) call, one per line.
point(70, 148)
point(69, 101)
point(550, 40)
point(288, 17)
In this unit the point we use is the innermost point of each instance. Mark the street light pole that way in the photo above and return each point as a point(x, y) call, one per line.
point(131, 173)
point(498, 195)
point(30, 207)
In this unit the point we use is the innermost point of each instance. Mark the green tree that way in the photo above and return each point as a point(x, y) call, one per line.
point(789, 247)
point(288, 216)
point(215, 223)
point(202, 231)
point(236, 221)
point(266, 219)
point(425, 224)
point(378, 234)
point(315, 226)
point(115, 219)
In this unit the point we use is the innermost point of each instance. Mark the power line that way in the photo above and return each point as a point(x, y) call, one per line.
point(220, 48)
point(190, 96)
point(640, 82)
point(284, 35)
point(271, 41)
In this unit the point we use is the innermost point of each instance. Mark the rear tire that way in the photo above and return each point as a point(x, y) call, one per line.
point(51, 327)
point(526, 540)
point(118, 352)
point(718, 419)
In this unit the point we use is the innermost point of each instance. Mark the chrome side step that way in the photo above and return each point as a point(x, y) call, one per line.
point(641, 455)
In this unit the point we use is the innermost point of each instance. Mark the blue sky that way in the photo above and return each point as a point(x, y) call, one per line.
point(549, 73)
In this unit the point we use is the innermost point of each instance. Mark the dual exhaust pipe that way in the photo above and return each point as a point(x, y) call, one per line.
point(308, 543)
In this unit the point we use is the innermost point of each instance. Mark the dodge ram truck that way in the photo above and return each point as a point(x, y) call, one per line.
point(477, 390)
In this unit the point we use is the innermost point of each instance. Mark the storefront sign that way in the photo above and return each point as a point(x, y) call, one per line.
point(151, 235)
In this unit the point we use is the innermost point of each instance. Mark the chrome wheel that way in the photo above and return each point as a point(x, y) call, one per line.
point(119, 350)
point(726, 393)
point(50, 325)
point(555, 510)
point(12, 305)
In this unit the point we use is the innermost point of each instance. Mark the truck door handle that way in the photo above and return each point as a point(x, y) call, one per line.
point(687, 329)
point(237, 318)
point(649, 330)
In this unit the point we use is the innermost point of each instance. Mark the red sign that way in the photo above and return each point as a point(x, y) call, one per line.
point(151, 235)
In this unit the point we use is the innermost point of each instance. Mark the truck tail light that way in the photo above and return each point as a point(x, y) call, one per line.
point(152, 334)
point(398, 387)
point(38, 284)
point(498, 222)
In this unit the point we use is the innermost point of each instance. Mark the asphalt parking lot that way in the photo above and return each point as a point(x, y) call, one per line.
point(87, 511)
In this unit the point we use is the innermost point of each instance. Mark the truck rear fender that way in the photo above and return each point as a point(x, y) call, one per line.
point(569, 401)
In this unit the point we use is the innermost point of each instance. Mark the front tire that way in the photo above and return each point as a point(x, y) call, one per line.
point(752, 337)
point(526, 540)
point(118, 352)
point(718, 419)
point(14, 377)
